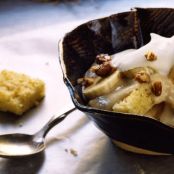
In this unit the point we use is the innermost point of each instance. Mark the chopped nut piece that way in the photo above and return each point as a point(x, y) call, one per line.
point(150, 56)
point(101, 58)
point(157, 88)
point(105, 69)
point(94, 68)
point(86, 81)
point(142, 77)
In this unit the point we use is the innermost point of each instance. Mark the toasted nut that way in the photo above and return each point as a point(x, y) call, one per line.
point(94, 68)
point(105, 69)
point(150, 56)
point(157, 88)
point(142, 77)
point(86, 81)
point(101, 58)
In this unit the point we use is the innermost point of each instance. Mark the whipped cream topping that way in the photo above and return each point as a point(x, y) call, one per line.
point(162, 47)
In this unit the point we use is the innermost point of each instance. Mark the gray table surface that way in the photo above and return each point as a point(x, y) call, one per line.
point(20, 19)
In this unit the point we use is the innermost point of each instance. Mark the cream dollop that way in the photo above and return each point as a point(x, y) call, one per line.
point(162, 47)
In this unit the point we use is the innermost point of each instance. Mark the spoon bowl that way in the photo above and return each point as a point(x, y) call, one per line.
point(20, 145)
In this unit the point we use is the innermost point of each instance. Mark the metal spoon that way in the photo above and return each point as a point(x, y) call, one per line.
point(20, 145)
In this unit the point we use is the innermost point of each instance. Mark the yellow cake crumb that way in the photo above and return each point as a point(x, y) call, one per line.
point(19, 92)
point(139, 101)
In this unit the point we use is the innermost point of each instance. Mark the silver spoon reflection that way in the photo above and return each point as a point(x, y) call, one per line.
point(19, 145)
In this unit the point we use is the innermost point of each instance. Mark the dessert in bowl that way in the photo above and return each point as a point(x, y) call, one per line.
point(132, 100)
point(136, 81)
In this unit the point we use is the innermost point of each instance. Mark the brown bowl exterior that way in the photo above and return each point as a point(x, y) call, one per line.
point(77, 51)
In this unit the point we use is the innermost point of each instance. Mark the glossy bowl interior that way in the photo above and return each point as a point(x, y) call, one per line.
point(77, 51)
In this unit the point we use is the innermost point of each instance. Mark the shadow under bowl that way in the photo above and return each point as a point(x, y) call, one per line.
point(77, 51)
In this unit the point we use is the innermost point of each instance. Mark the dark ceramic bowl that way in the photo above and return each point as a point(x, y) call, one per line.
point(110, 35)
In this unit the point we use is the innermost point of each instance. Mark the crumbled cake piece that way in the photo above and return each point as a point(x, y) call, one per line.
point(19, 92)
point(139, 101)
point(73, 152)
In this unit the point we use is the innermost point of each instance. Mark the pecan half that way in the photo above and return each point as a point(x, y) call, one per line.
point(142, 77)
point(157, 88)
point(105, 69)
point(101, 58)
point(150, 56)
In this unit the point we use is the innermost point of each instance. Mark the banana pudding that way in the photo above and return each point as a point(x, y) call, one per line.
point(138, 81)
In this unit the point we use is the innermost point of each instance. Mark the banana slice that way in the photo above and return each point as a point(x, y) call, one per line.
point(106, 102)
point(104, 86)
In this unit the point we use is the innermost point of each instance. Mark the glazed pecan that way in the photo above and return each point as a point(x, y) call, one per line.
point(157, 88)
point(105, 69)
point(101, 58)
point(150, 56)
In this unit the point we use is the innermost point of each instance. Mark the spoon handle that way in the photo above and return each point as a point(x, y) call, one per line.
point(52, 122)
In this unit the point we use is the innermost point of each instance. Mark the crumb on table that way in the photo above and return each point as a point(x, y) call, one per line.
point(72, 151)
